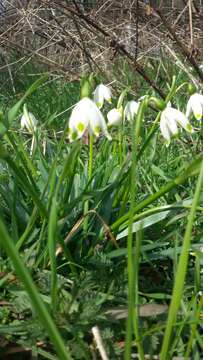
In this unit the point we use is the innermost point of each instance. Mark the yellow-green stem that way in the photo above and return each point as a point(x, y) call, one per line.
point(89, 176)
point(181, 271)
point(132, 320)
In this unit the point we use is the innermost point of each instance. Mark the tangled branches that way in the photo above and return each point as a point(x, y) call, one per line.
point(73, 37)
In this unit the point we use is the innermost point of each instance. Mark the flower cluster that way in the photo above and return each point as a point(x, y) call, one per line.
point(171, 118)
point(87, 115)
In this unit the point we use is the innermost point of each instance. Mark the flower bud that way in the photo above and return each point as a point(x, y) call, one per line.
point(158, 103)
point(191, 88)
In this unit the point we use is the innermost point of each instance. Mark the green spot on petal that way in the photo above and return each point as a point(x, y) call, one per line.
point(198, 116)
point(189, 128)
point(99, 105)
point(80, 127)
point(97, 130)
point(74, 135)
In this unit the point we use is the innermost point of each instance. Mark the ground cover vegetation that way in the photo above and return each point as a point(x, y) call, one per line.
point(101, 245)
point(100, 227)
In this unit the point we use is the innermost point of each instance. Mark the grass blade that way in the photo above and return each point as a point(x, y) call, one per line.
point(24, 276)
point(181, 271)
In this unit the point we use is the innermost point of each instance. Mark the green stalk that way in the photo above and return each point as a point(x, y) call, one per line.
point(181, 271)
point(120, 150)
point(38, 305)
point(194, 327)
point(90, 163)
point(89, 174)
point(132, 320)
point(136, 280)
point(52, 236)
point(150, 135)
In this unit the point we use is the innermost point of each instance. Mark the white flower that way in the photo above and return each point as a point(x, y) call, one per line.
point(86, 116)
point(131, 110)
point(195, 106)
point(170, 119)
point(101, 93)
point(114, 117)
point(28, 121)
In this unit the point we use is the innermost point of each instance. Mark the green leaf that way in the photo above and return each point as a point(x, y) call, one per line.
point(37, 303)
point(144, 223)
point(14, 110)
point(52, 233)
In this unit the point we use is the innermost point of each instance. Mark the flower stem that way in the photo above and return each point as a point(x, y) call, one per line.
point(120, 144)
point(133, 320)
point(89, 176)
point(181, 271)
point(90, 163)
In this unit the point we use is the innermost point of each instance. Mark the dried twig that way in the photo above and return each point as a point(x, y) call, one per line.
point(57, 34)
point(185, 52)
point(114, 43)
point(99, 342)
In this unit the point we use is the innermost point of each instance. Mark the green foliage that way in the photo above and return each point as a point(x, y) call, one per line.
point(72, 260)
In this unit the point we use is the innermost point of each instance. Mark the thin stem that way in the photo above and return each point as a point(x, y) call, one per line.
point(90, 163)
point(181, 271)
point(120, 143)
point(89, 176)
point(132, 320)
point(136, 317)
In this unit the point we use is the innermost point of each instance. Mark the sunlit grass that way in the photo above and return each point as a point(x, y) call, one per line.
point(122, 251)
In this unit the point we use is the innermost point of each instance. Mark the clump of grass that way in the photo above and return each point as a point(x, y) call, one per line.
point(137, 245)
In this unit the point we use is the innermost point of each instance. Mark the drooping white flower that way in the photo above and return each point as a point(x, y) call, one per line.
point(170, 119)
point(114, 117)
point(195, 106)
point(86, 116)
point(28, 121)
point(101, 93)
point(131, 110)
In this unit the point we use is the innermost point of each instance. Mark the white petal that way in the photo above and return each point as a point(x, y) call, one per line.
point(168, 124)
point(182, 120)
point(86, 115)
point(79, 122)
point(29, 121)
point(165, 129)
point(172, 126)
point(79, 119)
point(131, 110)
point(101, 93)
point(96, 120)
point(114, 117)
point(188, 109)
point(106, 93)
point(98, 124)
point(195, 104)
point(179, 117)
point(98, 98)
